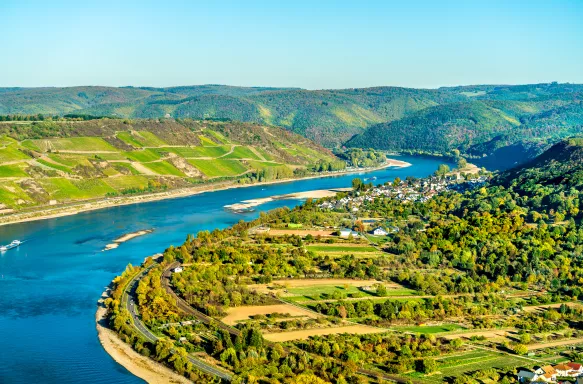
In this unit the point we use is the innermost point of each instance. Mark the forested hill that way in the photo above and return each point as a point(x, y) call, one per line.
point(551, 184)
point(513, 126)
point(327, 116)
point(517, 122)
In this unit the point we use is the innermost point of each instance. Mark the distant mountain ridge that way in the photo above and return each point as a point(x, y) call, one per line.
point(514, 121)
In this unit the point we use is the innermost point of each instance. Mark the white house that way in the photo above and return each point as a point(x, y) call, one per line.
point(345, 233)
point(380, 232)
point(526, 376)
point(177, 270)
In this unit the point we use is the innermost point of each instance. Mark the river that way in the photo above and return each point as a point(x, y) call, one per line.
point(50, 285)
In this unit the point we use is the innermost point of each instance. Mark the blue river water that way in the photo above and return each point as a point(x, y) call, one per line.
point(49, 286)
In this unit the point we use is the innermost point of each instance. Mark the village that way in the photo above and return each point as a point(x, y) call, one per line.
point(553, 374)
point(408, 191)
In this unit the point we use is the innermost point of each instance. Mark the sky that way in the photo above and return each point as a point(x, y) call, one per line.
point(315, 44)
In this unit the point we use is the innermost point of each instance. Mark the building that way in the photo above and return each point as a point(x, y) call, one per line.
point(345, 233)
point(526, 376)
point(380, 232)
point(177, 270)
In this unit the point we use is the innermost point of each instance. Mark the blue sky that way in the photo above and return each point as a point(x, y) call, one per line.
point(310, 44)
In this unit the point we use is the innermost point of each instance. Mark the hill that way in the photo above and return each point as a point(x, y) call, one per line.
point(512, 123)
point(56, 162)
point(494, 125)
point(326, 116)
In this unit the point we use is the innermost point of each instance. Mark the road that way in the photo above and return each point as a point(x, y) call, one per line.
point(128, 300)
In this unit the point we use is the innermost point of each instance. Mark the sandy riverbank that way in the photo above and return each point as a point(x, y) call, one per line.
point(127, 237)
point(141, 366)
point(84, 206)
point(246, 205)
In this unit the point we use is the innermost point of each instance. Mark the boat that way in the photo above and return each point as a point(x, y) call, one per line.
point(14, 244)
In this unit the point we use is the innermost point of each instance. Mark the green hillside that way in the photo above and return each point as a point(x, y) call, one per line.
point(514, 121)
point(56, 162)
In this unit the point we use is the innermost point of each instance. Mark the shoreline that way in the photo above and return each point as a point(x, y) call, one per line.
point(86, 206)
point(141, 366)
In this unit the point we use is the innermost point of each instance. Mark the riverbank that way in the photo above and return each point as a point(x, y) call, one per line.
point(84, 206)
point(141, 366)
point(247, 205)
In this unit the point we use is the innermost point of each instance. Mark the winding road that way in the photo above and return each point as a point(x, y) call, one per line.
point(129, 303)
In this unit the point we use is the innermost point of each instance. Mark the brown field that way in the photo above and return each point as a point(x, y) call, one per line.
point(534, 308)
point(300, 232)
point(294, 283)
point(243, 313)
point(557, 343)
point(306, 333)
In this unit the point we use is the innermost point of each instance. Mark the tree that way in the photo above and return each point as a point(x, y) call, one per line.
point(462, 163)
point(426, 365)
point(520, 349)
point(357, 184)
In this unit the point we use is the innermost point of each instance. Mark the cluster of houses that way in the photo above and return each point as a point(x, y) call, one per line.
point(409, 191)
point(552, 374)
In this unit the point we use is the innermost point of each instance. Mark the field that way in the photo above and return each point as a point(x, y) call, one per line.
point(466, 363)
point(219, 167)
point(74, 144)
point(11, 153)
point(164, 168)
point(428, 329)
point(125, 182)
point(242, 153)
point(199, 152)
point(347, 248)
point(63, 189)
point(237, 314)
point(306, 333)
point(143, 156)
point(12, 170)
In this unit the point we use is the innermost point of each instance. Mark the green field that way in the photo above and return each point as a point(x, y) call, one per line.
point(198, 151)
point(219, 167)
point(11, 193)
point(218, 137)
point(140, 139)
point(12, 170)
point(206, 141)
point(64, 189)
point(262, 164)
point(164, 168)
point(11, 153)
point(148, 139)
point(129, 139)
point(430, 328)
point(125, 182)
point(242, 153)
point(143, 156)
point(49, 164)
point(466, 363)
point(74, 144)
point(341, 248)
